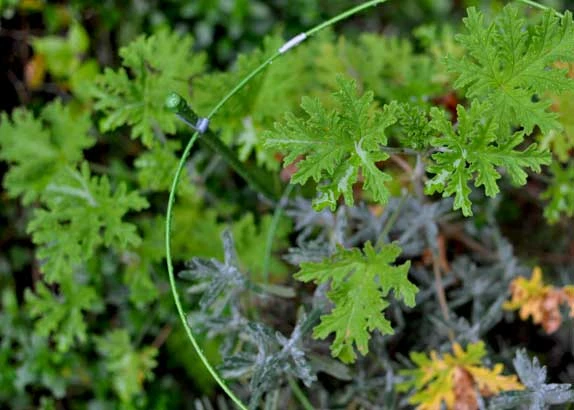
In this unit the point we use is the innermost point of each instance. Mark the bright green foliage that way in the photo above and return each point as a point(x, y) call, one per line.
point(250, 241)
point(254, 109)
point(156, 169)
point(64, 59)
point(508, 62)
point(134, 94)
point(28, 360)
point(337, 144)
point(38, 148)
point(414, 123)
point(386, 65)
point(129, 367)
point(562, 141)
point(439, 41)
point(62, 53)
point(360, 283)
point(61, 316)
point(560, 193)
point(473, 150)
point(140, 263)
point(82, 213)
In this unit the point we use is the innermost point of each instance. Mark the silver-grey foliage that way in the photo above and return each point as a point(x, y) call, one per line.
point(538, 395)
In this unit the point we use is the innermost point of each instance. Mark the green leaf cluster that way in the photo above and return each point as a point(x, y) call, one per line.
point(129, 367)
point(254, 109)
point(360, 283)
point(473, 150)
point(64, 59)
point(38, 148)
point(339, 145)
point(82, 213)
point(389, 66)
point(508, 61)
point(134, 94)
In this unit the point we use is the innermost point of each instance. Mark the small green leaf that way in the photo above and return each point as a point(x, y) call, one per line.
point(472, 150)
point(360, 284)
point(337, 145)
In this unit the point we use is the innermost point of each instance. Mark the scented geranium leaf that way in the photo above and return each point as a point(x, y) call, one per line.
point(538, 395)
point(140, 262)
point(472, 149)
point(360, 284)
point(337, 145)
point(509, 61)
point(38, 148)
point(81, 213)
point(454, 380)
point(134, 94)
point(60, 316)
point(129, 368)
point(560, 193)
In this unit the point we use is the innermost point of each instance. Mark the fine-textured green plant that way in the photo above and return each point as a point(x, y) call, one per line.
point(294, 310)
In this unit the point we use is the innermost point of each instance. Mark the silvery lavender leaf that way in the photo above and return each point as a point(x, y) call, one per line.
point(538, 395)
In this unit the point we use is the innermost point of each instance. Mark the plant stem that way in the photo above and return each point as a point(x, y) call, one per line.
point(540, 6)
point(271, 233)
point(391, 222)
point(299, 394)
point(403, 151)
point(177, 103)
point(344, 15)
point(173, 190)
point(439, 287)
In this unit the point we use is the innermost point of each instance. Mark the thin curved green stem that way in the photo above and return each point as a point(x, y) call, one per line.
point(305, 403)
point(271, 233)
point(540, 6)
point(171, 199)
point(344, 15)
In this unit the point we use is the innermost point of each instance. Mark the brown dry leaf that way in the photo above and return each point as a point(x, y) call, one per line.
point(464, 392)
point(376, 210)
point(443, 259)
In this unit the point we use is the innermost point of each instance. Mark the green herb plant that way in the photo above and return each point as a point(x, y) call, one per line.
point(504, 66)
point(306, 286)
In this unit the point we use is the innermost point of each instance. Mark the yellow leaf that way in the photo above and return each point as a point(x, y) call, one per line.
point(453, 379)
point(541, 302)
